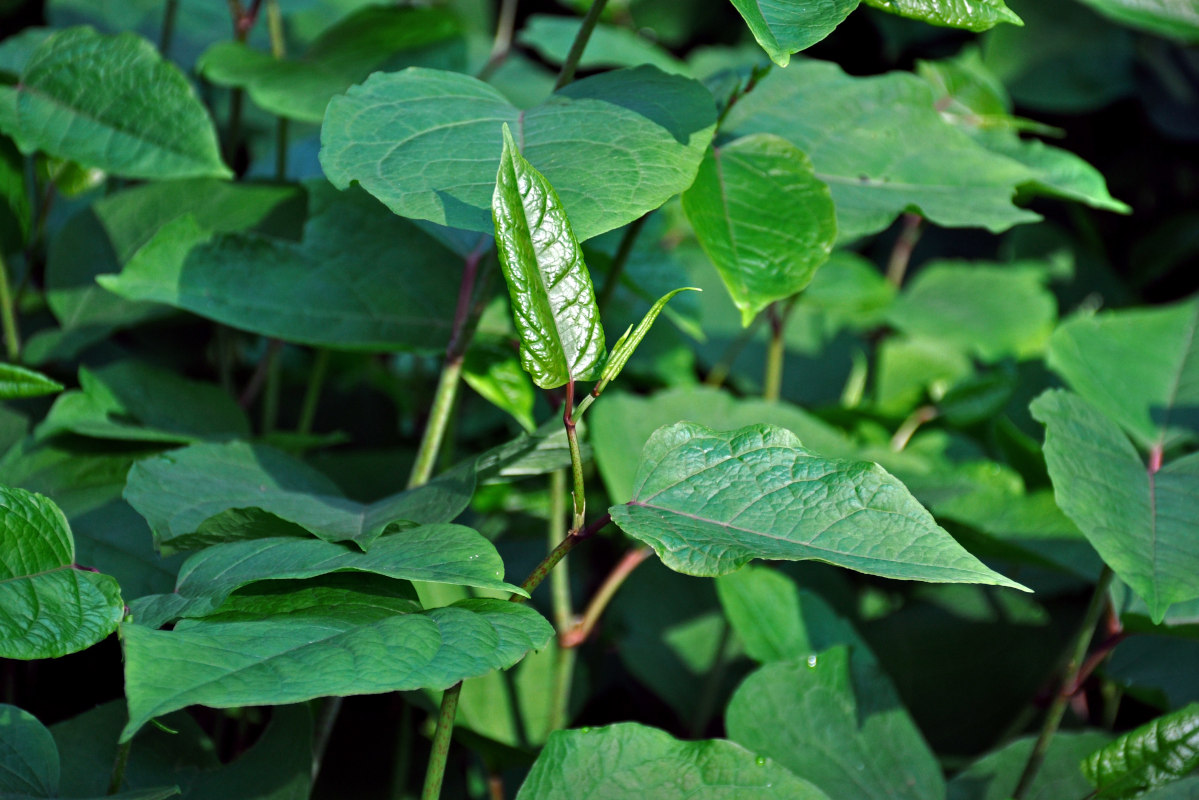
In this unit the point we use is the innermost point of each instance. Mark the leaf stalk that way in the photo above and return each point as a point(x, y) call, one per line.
point(580, 43)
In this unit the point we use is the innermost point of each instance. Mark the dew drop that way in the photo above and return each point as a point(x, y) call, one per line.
point(812, 661)
point(585, 729)
point(760, 761)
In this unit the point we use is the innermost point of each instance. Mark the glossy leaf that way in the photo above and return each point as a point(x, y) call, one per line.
point(609, 47)
point(995, 775)
point(17, 381)
point(1153, 755)
point(111, 103)
point(537, 453)
point(344, 54)
point(763, 218)
point(784, 27)
point(839, 726)
point(709, 502)
point(882, 148)
point(441, 553)
point(1140, 520)
point(210, 493)
point(129, 400)
point(341, 287)
point(1177, 19)
point(1139, 367)
point(990, 311)
point(317, 648)
point(427, 144)
point(979, 15)
point(626, 345)
point(49, 607)
point(493, 369)
point(627, 759)
point(553, 302)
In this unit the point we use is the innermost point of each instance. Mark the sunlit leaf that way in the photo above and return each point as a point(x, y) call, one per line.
point(973, 15)
point(784, 27)
point(1153, 755)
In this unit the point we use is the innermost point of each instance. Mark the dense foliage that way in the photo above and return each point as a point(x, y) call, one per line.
point(309, 312)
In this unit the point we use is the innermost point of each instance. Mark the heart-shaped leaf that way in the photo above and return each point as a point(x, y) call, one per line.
point(427, 144)
point(49, 607)
point(784, 27)
point(553, 302)
point(763, 218)
point(708, 502)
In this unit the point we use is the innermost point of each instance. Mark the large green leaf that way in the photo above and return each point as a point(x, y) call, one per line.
point(344, 54)
point(1178, 19)
point(994, 776)
point(979, 15)
point(988, 310)
point(318, 643)
point(1139, 518)
point(1139, 367)
point(111, 103)
point(493, 370)
point(709, 502)
point(342, 287)
point(784, 27)
point(631, 760)
point(210, 493)
point(130, 400)
point(427, 144)
point(49, 606)
point(838, 725)
point(882, 148)
point(763, 218)
point(441, 553)
point(28, 755)
point(553, 302)
point(609, 46)
point(1153, 755)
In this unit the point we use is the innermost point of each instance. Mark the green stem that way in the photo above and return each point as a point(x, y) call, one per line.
point(580, 43)
point(595, 609)
point(1057, 709)
point(312, 394)
point(620, 259)
point(168, 27)
point(720, 372)
point(274, 23)
point(901, 251)
point(8, 315)
point(775, 352)
point(441, 743)
point(564, 659)
point(576, 456)
point(557, 554)
point(439, 418)
point(118, 767)
point(707, 698)
point(754, 76)
point(505, 25)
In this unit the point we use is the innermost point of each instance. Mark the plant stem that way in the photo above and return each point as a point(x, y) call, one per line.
point(330, 707)
point(595, 609)
point(439, 418)
point(707, 698)
point(1057, 709)
point(118, 767)
point(8, 315)
point(576, 457)
point(258, 379)
point(505, 25)
point(564, 662)
point(773, 383)
point(565, 546)
point(312, 394)
point(720, 371)
point(274, 23)
point(620, 259)
point(901, 252)
point(909, 426)
point(757, 74)
point(580, 43)
point(441, 743)
point(168, 27)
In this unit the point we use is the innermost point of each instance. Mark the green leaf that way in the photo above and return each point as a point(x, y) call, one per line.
point(839, 726)
point(493, 370)
point(1177, 19)
point(15, 209)
point(319, 648)
point(49, 607)
point(709, 502)
point(976, 16)
point(111, 103)
point(341, 287)
point(210, 493)
point(553, 302)
point(784, 27)
point(763, 218)
point(990, 311)
point(626, 345)
point(132, 401)
point(1139, 519)
point(882, 148)
point(1140, 367)
point(426, 143)
point(16, 381)
point(627, 759)
point(442, 553)
point(609, 47)
point(537, 453)
point(994, 776)
point(1153, 755)
point(28, 755)
point(623, 423)
point(344, 54)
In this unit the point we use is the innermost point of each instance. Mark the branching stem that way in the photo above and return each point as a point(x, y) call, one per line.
point(118, 768)
point(620, 259)
point(595, 609)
